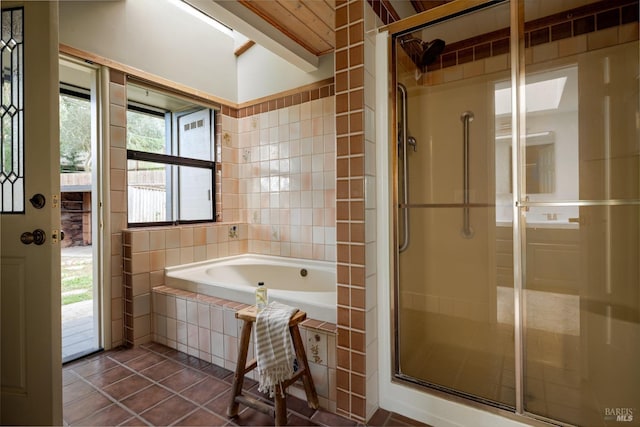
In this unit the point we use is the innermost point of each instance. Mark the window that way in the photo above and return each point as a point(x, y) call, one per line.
point(75, 129)
point(170, 152)
point(12, 113)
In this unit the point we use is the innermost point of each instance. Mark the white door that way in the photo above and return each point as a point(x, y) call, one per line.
point(30, 273)
point(194, 141)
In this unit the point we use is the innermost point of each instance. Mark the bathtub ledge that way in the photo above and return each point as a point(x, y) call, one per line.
point(309, 323)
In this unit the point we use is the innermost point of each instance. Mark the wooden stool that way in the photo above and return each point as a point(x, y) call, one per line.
point(279, 409)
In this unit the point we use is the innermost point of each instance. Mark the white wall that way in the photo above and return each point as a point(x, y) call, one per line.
point(154, 36)
point(261, 73)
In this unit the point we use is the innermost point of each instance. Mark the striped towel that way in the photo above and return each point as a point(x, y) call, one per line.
point(274, 351)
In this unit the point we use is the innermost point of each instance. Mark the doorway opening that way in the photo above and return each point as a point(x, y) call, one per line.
point(79, 184)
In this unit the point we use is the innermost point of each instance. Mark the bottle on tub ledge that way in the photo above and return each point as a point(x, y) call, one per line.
point(261, 296)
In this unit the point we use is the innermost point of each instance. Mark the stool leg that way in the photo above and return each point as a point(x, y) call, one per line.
point(309, 388)
point(238, 378)
point(280, 404)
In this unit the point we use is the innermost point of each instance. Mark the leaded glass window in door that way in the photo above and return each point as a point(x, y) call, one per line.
point(12, 113)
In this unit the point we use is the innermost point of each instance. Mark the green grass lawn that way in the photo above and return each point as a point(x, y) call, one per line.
point(76, 289)
point(77, 280)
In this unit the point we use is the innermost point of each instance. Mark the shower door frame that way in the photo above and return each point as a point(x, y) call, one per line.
point(518, 139)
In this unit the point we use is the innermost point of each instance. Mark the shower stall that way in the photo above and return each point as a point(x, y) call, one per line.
point(516, 194)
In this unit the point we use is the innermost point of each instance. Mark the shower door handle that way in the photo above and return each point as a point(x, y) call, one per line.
point(405, 169)
point(466, 118)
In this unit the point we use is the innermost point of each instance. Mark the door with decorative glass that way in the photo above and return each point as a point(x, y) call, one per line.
point(30, 252)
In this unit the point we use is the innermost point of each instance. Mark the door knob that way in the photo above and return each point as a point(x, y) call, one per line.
point(38, 237)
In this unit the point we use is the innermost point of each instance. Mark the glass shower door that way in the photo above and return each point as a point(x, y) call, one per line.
point(581, 208)
point(454, 319)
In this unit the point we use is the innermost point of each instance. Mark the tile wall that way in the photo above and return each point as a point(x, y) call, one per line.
point(117, 204)
point(279, 176)
point(287, 180)
point(206, 327)
point(147, 251)
point(371, 22)
point(353, 173)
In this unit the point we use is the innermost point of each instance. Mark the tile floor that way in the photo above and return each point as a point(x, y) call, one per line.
point(156, 385)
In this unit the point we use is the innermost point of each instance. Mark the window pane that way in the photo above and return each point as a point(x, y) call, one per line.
point(194, 135)
point(146, 132)
point(149, 199)
point(195, 193)
point(12, 114)
point(75, 134)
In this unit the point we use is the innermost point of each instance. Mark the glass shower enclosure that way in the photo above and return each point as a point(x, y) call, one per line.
point(517, 194)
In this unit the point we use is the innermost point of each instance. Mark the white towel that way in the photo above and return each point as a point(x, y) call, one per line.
point(274, 352)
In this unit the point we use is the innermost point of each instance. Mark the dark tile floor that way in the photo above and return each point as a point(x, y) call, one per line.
point(156, 385)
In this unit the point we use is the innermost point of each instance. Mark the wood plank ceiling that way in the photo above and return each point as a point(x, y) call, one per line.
point(311, 23)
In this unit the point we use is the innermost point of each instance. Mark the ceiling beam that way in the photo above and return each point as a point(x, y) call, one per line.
point(245, 47)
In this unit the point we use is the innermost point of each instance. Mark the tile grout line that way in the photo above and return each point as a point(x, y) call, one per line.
point(105, 394)
point(179, 393)
point(113, 400)
point(229, 420)
point(194, 410)
point(173, 393)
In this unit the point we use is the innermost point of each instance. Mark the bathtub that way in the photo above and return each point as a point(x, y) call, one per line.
point(307, 284)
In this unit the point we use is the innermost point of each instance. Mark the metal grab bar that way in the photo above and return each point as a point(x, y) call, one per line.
point(405, 171)
point(466, 118)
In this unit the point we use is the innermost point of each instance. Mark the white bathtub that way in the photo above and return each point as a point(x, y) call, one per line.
point(235, 278)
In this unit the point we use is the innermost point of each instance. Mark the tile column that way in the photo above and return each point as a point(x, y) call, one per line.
point(350, 209)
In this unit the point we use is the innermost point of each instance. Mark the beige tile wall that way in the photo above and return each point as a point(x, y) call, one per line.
point(146, 253)
point(117, 199)
point(279, 178)
point(206, 327)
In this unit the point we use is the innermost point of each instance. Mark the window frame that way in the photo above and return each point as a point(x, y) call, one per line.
point(170, 118)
